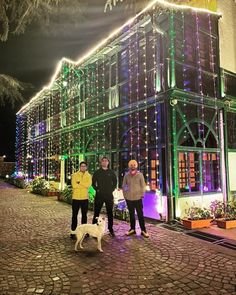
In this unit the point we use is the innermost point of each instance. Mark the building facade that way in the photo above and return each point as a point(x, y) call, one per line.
point(152, 91)
point(6, 168)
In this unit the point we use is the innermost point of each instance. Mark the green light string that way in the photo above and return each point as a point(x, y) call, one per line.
point(97, 107)
point(175, 155)
point(202, 126)
point(103, 107)
point(172, 51)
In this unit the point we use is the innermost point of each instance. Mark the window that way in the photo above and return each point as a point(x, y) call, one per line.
point(150, 83)
point(198, 167)
point(81, 91)
point(211, 177)
point(186, 77)
point(209, 85)
point(189, 167)
point(42, 128)
point(106, 73)
point(189, 172)
point(124, 94)
point(48, 125)
point(154, 171)
point(189, 44)
point(123, 66)
point(229, 83)
point(150, 51)
point(114, 97)
point(29, 133)
point(113, 74)
point(231, 130)
point(37, 130)
point(82, 111)
point(63, 119)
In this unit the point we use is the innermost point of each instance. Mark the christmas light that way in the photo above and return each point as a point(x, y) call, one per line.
point(119, 100)
point(103, 42)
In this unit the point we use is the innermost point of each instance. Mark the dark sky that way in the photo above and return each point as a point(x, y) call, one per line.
point(33, 56)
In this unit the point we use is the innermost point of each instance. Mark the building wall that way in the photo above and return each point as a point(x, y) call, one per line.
point(6, 168)
point(227, 34)
point(227, 28)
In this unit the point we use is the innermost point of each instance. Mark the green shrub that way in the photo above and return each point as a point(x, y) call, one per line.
point(197, 213)
point(66, 195)
point(40, 186)
point(230, 211)
point(18, 182)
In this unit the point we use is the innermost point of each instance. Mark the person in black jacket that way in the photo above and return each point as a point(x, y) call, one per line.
point(104, 182)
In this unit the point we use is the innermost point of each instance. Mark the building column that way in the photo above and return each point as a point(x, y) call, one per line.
point(62, 174)
point(168, 163)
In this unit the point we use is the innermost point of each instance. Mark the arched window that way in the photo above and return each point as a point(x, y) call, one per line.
point(196, 134)
point(198, 158)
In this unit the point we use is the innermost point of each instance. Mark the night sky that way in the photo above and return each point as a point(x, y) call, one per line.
point(33, 56)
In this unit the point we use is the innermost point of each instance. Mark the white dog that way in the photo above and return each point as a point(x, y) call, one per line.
point(95, 230)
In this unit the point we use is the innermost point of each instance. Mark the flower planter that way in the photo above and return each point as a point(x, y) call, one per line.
point(49, 194)
point(226, 223)
point(121, 214)
point(192, 224)
point(60, 197)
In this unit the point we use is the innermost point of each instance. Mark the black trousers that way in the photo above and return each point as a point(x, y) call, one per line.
point(138, 205)
point(98, 203)
point(76, 205)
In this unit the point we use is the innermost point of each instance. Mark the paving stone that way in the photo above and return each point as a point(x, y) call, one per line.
point(37, 256)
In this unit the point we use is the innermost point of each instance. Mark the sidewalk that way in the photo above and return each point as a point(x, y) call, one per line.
point(224, 233)
point(37, 256)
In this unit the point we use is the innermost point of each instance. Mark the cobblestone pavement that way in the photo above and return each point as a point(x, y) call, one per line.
point(37, 256)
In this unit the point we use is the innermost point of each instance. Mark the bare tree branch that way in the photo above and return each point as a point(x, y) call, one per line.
point(15, 15)
point(11, 90)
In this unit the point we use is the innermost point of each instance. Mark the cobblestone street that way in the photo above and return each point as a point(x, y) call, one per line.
point(38, 257)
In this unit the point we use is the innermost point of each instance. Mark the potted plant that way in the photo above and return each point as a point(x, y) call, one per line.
point(40, 186)
point(66, 195)
point(53, 191)
point(217, 209)
point(19, 181)
point(121, 211)
point(92, 194)
point(197, 218)
point(229, 219)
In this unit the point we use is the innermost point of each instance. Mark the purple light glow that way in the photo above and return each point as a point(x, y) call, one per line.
point(151, 202)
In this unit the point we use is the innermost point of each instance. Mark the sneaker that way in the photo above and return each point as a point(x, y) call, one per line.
point(73, 236)
point(111, 233)
point(131, 232)
point(145, 234)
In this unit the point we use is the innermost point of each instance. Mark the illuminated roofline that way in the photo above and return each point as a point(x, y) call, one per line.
point(104, 41)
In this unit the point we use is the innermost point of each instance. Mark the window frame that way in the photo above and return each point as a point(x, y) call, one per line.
point(202, 178)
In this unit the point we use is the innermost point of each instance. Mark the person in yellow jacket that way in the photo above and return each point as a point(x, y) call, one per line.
point(81, 181)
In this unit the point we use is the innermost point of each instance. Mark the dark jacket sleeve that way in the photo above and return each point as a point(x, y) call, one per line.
point(94, 181)
point(114, 180)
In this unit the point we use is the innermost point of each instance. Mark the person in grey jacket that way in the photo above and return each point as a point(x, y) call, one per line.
point(133, 189)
